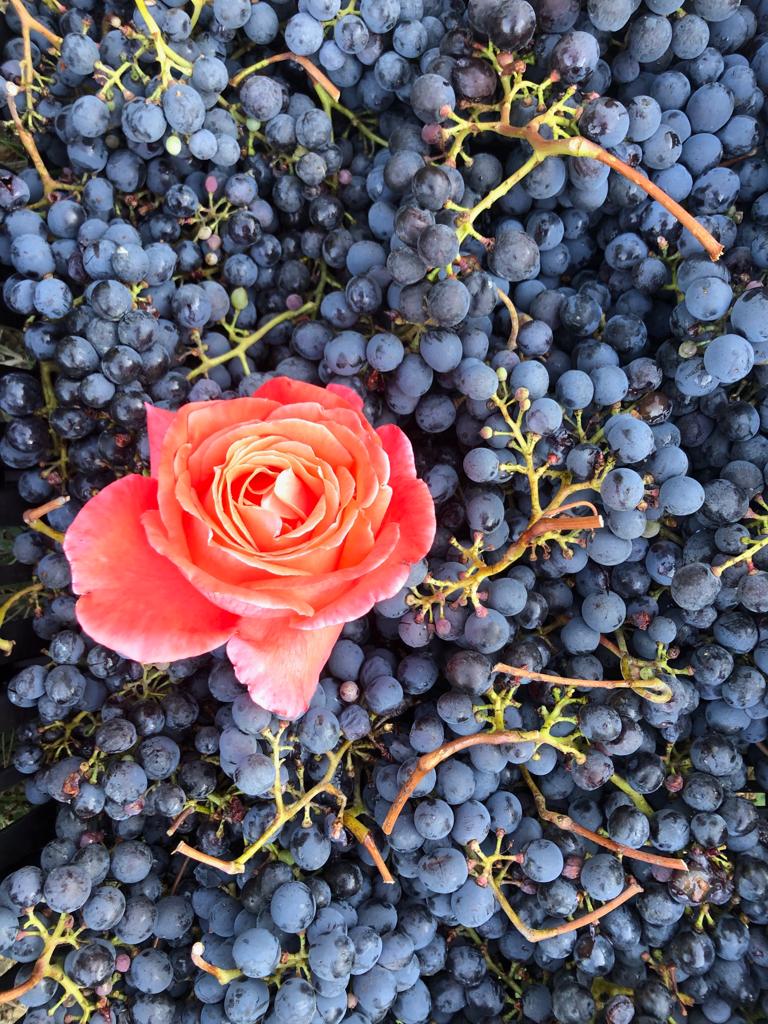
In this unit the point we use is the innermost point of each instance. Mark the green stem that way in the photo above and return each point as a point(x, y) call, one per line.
point(500, 191)
point(251, 339)
point(237, 866)
point(637, 798)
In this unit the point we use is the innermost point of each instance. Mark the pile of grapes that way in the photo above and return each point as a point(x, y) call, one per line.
point(533, 235)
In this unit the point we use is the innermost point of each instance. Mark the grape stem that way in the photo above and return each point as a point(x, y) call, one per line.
point(180, 818)
point(585, 148)
point(575, 146)
point(654, 690)
point(221, 975)
point(42, 965)
point(428, 762)
point(364, 836)
point(33, 518)
point(329, 104)
point(567, 824)
point(50, 185)
point(637, 798)
point(6, 646)
point(312, 70)
point(743, 556)
point(242, 346)
point(539, 934)
point(237, 866)
point(166, 57)
point(514, 319)
point(30, 24)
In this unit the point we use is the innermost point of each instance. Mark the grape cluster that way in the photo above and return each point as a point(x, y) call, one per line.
point(530, 785)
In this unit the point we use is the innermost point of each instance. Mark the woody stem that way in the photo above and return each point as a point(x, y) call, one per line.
point(427, 762)
point(652, 689)
point(365, 838)
point(580, 147)
point(312, 70)
point(539, 934)
point(567, 824)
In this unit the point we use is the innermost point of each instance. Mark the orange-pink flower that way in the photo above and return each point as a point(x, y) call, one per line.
point(267, 523)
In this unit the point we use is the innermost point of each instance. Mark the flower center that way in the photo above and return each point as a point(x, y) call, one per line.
point(264, 490)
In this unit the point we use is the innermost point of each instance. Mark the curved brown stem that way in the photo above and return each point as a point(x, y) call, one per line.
point(567, 824)
point(581, 503)
point(515, 320)
point(33, 514)
point(30, 23)
point(43, 963)
point(561, 524)
point(219, 973)
point(229, 867)
point(578, 146)
point(364, 836)
point(539, 934)
point(17, 991)
point(427, 762)
point(652, 689)
point(312, 70)
point(712, 247)
point(49, 184)
point(179, 820)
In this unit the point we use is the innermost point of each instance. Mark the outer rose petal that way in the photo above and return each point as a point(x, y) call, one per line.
point(287, 391)
point(412, 505)
point(412, 512)
point(158, 423)
point(280, 665)
point(134, 600)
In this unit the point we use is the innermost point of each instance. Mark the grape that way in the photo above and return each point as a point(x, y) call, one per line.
point(292, 907)
point(575, 56)
point(430, 93)
point(542, 860)
point(472, 904)
point(151, 971)
point(245, 1000)
point(603, 612)
point(602, 877)
point(605, 121)
point(630, 438)
point(729, 358)
point(67, 888)
point(622, 490)
point(444, 870)
point(515, 255)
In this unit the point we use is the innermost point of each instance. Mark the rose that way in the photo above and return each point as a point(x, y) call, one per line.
point(266, 524)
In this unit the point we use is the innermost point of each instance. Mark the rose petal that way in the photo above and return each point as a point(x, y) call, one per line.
point(347, 594)
point(374, 580)
point(412, 505)
point(358, 542)
point(158, 424)
point(412, 512)
point(133, 599)
point(348, 394)
point(311, 570)
point(195, 422)
point(280, 665)
point(237, 594)
point(181, 493)
point(287, 391)
point(366, 455)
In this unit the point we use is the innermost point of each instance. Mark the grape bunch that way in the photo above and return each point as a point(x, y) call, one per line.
point(531, 784)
